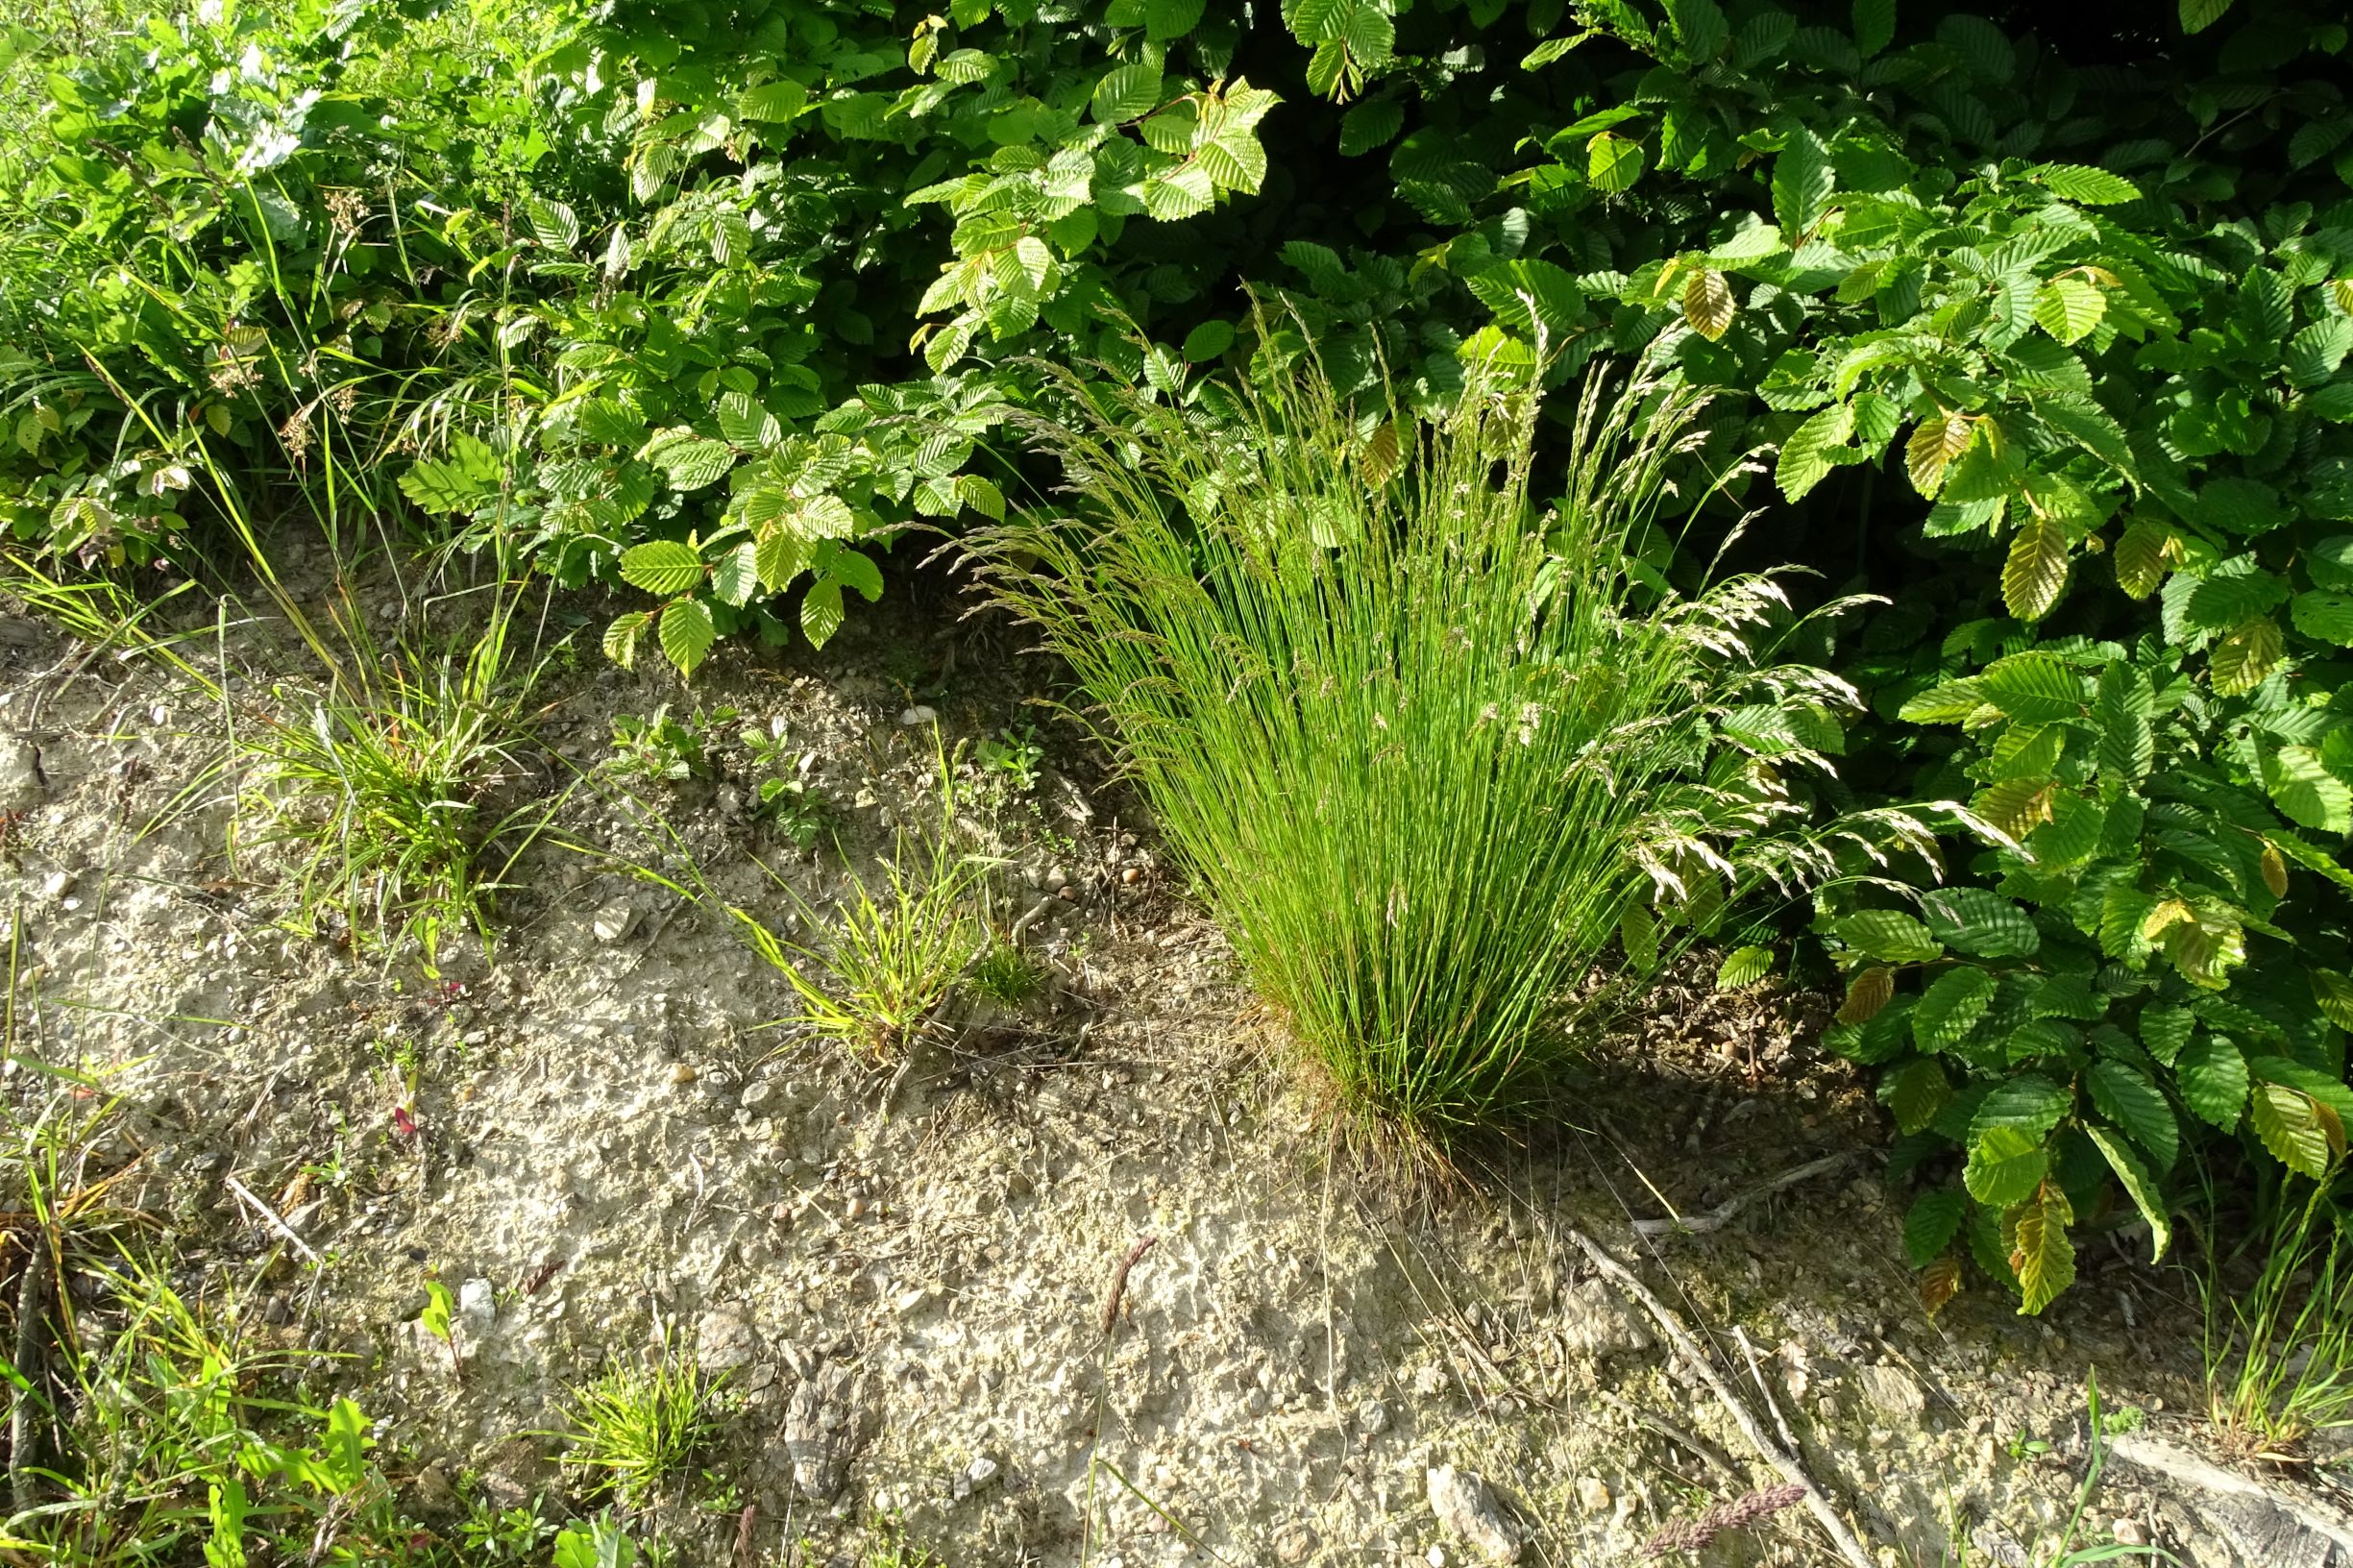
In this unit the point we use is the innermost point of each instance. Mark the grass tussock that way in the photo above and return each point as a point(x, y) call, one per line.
point(1423, 744)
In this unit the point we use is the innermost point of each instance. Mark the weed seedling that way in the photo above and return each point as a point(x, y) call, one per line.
point(1011, 758)
point(661, 750)
point(1007, 976)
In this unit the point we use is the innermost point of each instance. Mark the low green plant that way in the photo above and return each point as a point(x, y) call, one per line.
point(640, 1424)
point(1006, 975)
point(169, 1451)
point(1010, 758)
point(1423, 746)
point(662, 750)
point(2279, 1346)
point(890, 950)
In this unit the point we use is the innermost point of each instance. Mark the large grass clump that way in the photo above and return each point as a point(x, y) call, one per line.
point(1423, 746)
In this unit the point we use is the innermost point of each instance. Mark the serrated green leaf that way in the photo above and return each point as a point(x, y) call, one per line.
point(2069, 307)
point(2140, 1183)
point(688, 461)
point(1614, 163)
point(1802, 180)
point(821, 611)
point(778, 558)
point(2005, 1164)
point(661, 566)
point(1804, 461)
point(2325, 615)
point(1743, 967)
point(736, 575)
point(2243, 659)
point(620, 638)
point(1126, 92)
point(1166, 20)
point(2197, 15)
point(2035, 573)
point(2213, 1077)
point(1932, 1222)
point(2289, 1122)
point(2084, 185)
point(2033, 688)
point(1917, 1094)
point(1890, 936)
point(2306, 792)
point(686, 633)
point(2121, 708)
point(2165, 1030)
point(2333, 992)
point(1980, 923)
point(1949, 1009)
point(2029, 1102)
point(2128, 1098)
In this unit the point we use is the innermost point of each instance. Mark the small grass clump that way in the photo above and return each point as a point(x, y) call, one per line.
point(1007, 976)
point(2279, 1347)
point(640, 1425)
point(1422, 745)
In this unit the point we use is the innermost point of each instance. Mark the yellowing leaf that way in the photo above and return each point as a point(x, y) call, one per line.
point(1935, 443)
point(2036, 572)
point(1707, 303)
point(2249, 653)
point(2041, 1255)
point(1868, 991)
point(2069, 307)
point(2141, 557)
point(2016, 805)
point(1939, 1283)
point(2289, 1122)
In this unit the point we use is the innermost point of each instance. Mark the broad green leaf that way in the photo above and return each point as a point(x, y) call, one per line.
point(686, 632)
point(1949, 1009)
point(2243, 658)
point(1932, 1222)
point(1935, 443)
point(661, 566)
point(821, 611)
point(2084, 185)
point(736, 575)
point(2069, 307)
point(1804, 460)
point(1802, 180)
point(1373, 123)
point(2289, 1122)
point(2029, 1102)
point(2325, 615)
point(1981, 923)
point(1707, 303)
point(2005, 1164)
point(1916, 1094)
point(778, 558)
point(2140, 1183)
point(2165, 1030)
point(2197, 15)
point(1614, 163)
point(1208, 341)
point(2214, 1080)
point(2033, 688)
point(1125, 93)
point(1870, 990)
point(688, 461)
point(1890, 936)
point(2333, 993)
point(1874, 28)
point(620, 638)
point(1743, 967)
point(2142, 557)
point(1166, 19)
point(2305, 791)
point(2126, 1097)
point(2121, 709)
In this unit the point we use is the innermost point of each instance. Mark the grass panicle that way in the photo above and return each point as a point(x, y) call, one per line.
point(1421, 745)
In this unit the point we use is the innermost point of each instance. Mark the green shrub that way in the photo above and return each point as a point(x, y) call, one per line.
point(1416, 739)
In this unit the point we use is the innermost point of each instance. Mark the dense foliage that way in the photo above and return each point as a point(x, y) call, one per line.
point(2046, 321)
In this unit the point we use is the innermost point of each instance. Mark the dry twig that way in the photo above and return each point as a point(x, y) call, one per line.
point(1699, 1362)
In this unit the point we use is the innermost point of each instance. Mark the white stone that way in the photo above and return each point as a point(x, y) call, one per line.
point(1468, 1510)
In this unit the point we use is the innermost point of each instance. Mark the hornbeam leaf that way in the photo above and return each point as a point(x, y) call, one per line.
point(1707, 303)
point(2041, 1255)
point(2036, 572)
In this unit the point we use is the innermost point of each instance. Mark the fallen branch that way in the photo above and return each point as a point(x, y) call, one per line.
point(1716, 1218)
point(2181, 1466)
point(1699, 1362)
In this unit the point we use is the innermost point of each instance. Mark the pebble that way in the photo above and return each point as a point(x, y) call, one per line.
point(981, 1473)
point(758, 1094)
point(1592, 1495)
point(724, 1341)
point(1293, 1543)
point(1891, 1392)
point(615, 921)
point(918, 715)
point(2128, 1532)
point(1468, 1510)
point(1372, 1418)
point(20, 773)
point(478, 1313)
point(683, 1075)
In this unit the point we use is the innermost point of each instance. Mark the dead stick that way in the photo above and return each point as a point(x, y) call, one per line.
point(269, 1217)
point(1721, 1214)
point(1742, 1418)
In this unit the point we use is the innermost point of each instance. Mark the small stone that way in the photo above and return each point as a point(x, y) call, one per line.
point(614, 922)
point(1436, 1556)
point(1594, 1320)
point(20, 773)
point(724, 1341)
point(1293, 1543)
point(1468, 1510)
point(1018, 1184)
point(1130, 875)
point(918, 715)
point(781, 1213)
point(1372, 1418)
point(1891, 1391)
point(1431, 1381)
point(478, 1313)
point(757, 1096)
point(56, 885)
point(683, 1075)
point(982, 1472)
point(1592, 1495)
point(1057, 876)
point(2129, 1532)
